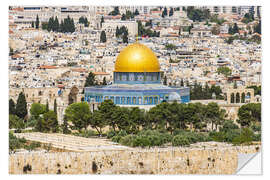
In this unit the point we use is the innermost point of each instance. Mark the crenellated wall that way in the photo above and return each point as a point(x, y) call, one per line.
point(137, 161)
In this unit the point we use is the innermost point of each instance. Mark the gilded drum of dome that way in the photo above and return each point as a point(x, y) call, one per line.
point(137, 58)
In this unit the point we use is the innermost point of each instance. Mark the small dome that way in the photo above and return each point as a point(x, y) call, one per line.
point(137, 58)
point(174, 97)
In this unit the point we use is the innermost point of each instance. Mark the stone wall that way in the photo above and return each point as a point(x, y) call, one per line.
point(138, 161)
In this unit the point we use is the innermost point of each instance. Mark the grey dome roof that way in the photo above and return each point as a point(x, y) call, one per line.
point(174, 97)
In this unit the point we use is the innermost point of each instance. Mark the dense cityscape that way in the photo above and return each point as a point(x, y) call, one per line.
point(130, 78)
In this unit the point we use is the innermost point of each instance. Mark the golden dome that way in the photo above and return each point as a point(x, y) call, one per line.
point(137, 58)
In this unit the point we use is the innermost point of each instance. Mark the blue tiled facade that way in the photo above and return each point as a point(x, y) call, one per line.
point(140, 88)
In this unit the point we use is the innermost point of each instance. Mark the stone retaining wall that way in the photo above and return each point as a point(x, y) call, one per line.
point(137, 161)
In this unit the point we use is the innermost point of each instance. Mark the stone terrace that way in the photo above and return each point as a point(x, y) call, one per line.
point(72, 143)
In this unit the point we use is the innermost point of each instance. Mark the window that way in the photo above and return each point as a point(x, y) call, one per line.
point(134, 100)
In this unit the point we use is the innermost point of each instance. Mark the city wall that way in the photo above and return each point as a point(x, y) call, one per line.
point(137, 161)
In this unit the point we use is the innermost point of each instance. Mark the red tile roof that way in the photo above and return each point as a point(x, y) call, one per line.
point(47, 67)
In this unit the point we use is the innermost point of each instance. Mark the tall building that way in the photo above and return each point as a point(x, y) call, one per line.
point(137, 81)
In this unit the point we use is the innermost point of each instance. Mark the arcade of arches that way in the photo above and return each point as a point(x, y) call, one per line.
point(240, 95)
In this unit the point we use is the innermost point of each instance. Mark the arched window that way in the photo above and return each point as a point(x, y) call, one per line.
point(134, 100)
point(248, 95)
point(151, 100)
point(123, 100)
point(155, 100)
point(140, 100)
point(243, 98)
point(232, 98)
point(237, 98)
point(128, 100)
point(117, 100)
point(145, 100)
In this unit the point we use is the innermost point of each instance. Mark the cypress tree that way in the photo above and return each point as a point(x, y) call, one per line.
point(136, 12)
point(37, 22)
point(90, 80)
point(56, 24)
point(182, 82)
point(47, 106)
point(125, 37)
point(12, 109)
point(21, 106)
point(171, 12)
point(55, 106)
point(164, 13)
point(117, 32)
point(235, 28)
point(33, 24)
point(101, 21)
point(104, 81)
point(103, 38)
point(165, 80)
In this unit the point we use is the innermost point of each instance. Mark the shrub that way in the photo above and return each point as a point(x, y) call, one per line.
point(111, 133)
point(228, 125)
point(180, 140)
point(217, 136)
point(116, 138)
point(127, 140)
point(246, 137)
point(86, 133)
point(256, 127)
point(256, 137)
point(122, 133)
point(141, 141)
point(231, 134)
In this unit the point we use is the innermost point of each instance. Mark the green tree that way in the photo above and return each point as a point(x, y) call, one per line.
point(79, 114)
point(125, 37)
point(36, 110)
point(104, 81)
point(107, 108)
point(21, 106)
point(47, 106)
point(164, 12)
point(117, 32)
point(171, 12)
point(12, 107)
point(226, 71)
point(165, 80)
point(44, 25)
point(15, 122)
point(37, 22)
point(103, 38)
point(55, 106)
point(56, 25)
point(33, 24)
point(97, 121)
point(90, 80)
point(123, 18)
point(101, 21)
point(249, 113)
point(115, 11)
point(257, 28)
point(235, 28)
point(136, 13)
point(214, 115)
point(51, 123)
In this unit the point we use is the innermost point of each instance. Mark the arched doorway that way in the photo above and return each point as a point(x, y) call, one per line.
point(232, 98)
point(72, 97)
